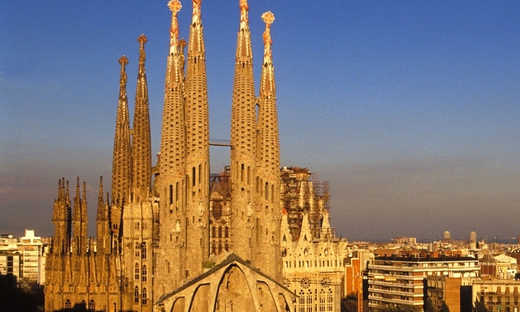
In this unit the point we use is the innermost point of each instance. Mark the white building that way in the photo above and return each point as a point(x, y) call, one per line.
point(395, 281)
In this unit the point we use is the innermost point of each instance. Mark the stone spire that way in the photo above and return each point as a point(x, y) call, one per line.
point(61, 219)
point(121, 162)
point(243, 127)
point(141, 138)
point(268, 163)
point(197, 148)
point(268, 157)
point(79, 221)
point(102, 224)
point(172, 181)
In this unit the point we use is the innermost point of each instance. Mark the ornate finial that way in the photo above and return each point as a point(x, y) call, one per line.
point(123, 61)
point(142, 54)
point(268, 18)
point(196, 11)
point(243, 14)
point(182, 44)
point(175, 6)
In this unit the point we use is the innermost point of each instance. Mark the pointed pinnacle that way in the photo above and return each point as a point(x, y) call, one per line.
point(196, 11)
point(268, 18)
point(123, 61)
point(175, 6)
point(142, 54)
point(243, 14)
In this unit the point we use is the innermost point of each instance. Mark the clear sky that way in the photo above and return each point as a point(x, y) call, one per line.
point(409, 108)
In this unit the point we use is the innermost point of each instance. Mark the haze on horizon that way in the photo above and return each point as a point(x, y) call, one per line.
point(409, 109)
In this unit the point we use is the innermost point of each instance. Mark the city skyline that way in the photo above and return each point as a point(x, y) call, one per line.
point(407, 109)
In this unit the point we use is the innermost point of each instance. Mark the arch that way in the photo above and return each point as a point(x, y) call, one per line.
point(200, 299)
point(178, 305)
point(233, 291)
point(265, 297)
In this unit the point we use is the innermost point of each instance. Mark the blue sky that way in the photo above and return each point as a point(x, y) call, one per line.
point(409, 108)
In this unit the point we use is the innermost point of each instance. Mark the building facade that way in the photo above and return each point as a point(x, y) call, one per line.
point(400, 280)
point(153, 244)
point(497, 295)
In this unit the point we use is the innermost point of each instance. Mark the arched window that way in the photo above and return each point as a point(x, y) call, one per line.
point(302, 301)
point(137, 250)
point(91, 305)
point(68, 305)
point(143, 250)
point(226, 232)
point(136, 271)
point(136, 294)
point(145, 296)
point(144, 274)
point(330, 300)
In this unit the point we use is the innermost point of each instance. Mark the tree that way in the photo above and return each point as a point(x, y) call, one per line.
point(349, 303)
point(480, 307)
point(445, 307)
point(428, 305)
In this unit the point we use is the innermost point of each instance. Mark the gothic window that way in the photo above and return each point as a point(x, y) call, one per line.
point(219, 232)
point(137, 249)
point(302, 301)
point(143, 250)
point(144, 296)
point(136, 271)
point(213, 232)
point(115, 307)
point(330, 300)
point(323, 297)
point(226, 247)
point(144, 274)
point(309, 301)
point(226, 232)
point(136, 294)
point(91, 305)
point(68, 305)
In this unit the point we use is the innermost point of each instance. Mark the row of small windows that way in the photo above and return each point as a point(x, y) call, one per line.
point(214, 232)
point(309, 263)
point(217, 249)
point(91, 305)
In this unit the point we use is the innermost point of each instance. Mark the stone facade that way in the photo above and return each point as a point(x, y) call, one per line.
point(152, 244)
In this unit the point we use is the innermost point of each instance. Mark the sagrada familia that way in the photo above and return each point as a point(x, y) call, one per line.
point(172, 237)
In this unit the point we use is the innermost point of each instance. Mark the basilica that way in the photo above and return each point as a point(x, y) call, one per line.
point(170, 236)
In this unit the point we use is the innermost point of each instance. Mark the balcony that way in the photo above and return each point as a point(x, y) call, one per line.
point(395, 292)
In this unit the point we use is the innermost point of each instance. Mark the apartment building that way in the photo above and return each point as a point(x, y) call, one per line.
point(400, 280)
point(498, 295)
